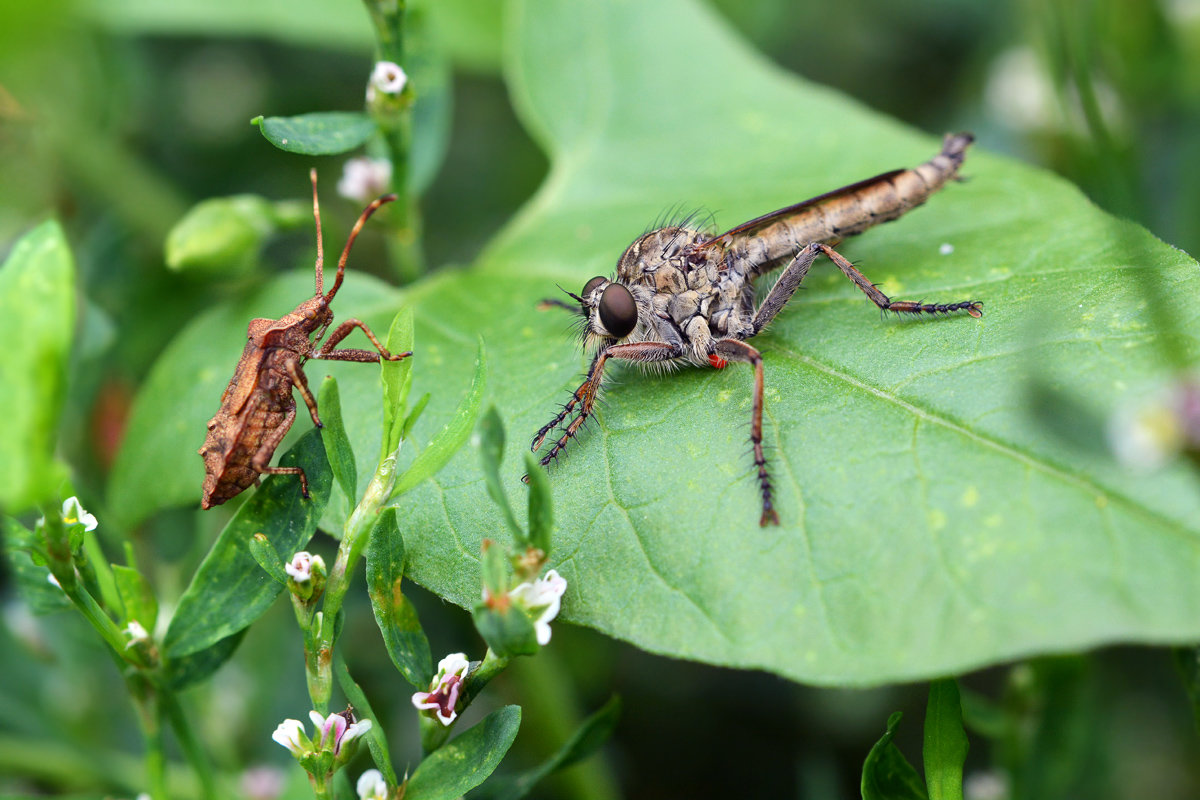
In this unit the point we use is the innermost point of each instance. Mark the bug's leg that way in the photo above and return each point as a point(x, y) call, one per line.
point(300, 381)
point(737, 350)
point(261, 459)
point(584, 398)
point(327, 352)
point(972, 307)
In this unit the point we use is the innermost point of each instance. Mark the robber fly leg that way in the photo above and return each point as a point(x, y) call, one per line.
point(267, 448)
point(584, 398)
point(972, 307)
point(300, 381)
point(327, 352)
point(737, 350)
point(785, 286)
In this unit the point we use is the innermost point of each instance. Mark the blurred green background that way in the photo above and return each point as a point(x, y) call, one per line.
point(116, 116)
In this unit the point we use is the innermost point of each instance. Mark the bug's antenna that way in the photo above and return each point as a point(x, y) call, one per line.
point(362, 219)
point(312, 174)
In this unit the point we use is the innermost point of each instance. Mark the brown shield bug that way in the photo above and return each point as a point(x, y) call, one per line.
point(257, 408)
point(683, 295)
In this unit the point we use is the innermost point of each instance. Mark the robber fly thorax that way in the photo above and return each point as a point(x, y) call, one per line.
point(683, 295)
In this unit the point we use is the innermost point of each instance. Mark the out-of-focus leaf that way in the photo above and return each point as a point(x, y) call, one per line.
point(886, 774)
point(230, 590)
point(466, 761)
point(321, 133)
point(946, 745)
point(397, 378)
point(376, 737)
point(37, 321)
point(32, 580)
point(223, 235)
point(136, 596)
point(337, 445)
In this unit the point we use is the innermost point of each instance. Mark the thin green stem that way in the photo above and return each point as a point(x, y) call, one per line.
point(192, 750)
point(145, 702)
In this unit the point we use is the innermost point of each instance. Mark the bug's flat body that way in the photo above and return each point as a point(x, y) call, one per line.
point(681, 294)
point(258, 408)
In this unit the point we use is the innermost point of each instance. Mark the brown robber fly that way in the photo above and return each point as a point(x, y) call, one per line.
point(683, 295)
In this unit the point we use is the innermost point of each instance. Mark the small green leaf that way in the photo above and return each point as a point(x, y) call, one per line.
point(223, 235)
point(268, 557)
point(587, 739)
point(337, 445)
point(376, 737)
point(448, 441)
point(230, 590)
point(195, 667)
point(136, 596)
point(394, 614)
point(455, 768)
point(945, 741)
point(886, 774)
point(397, 378)
point(323, 133)
point(414, 415)
point(507, 629)
point(37, 319)
point(491, 453)
point(541, 506)
point(32, 579)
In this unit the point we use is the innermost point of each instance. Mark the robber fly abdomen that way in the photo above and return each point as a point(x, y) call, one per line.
point(683, 295)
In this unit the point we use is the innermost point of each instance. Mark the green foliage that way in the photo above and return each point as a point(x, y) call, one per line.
point(397, 379)
point(946, 745)
point(230, 590)
point(223, 235)
point(37, 306)
point(337, 445)
point(887, 775)
point(455, 768)
point(376, 737)
point(321, 133)
point(394, 614)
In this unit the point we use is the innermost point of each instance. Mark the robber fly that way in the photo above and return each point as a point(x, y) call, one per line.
point(682, 295)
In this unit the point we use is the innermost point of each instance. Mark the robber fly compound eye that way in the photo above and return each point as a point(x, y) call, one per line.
point(618, 311)
point(591, 285)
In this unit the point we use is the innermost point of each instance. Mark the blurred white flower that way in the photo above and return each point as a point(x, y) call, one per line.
point(363, 179)
point(135, 632)
point(262, 782)
point(544, 598)
point(371, 786)
point(387, 77)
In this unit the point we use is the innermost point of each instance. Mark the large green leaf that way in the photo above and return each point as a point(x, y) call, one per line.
point(931, 521)
point(37, 323)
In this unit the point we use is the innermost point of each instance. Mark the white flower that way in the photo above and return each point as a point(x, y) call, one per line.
point(135, 632)
point(371, 786)
point(543, 597)
point(301, 566)
point(290, 734)
point(445, 688)
point(387, 77)
point(363, 179)
point(262, 783)
point(73, 513)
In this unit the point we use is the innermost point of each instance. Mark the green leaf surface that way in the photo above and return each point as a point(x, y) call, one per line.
point(337, 446)
point(157, 466)
point(31, 580)
point(593, 732)
point(230, 590)
point(453, 435)
point(321, 133)
point(136, 596)
point(458, 767)
point(394, 614)
point(931, 521)
point(376, 737)
point(397, 379)
point(267, 556)
point(491, 451)
point(946, 745)
point(37, 322)
point(194, 668)
point(541, 506)
point(887, 775)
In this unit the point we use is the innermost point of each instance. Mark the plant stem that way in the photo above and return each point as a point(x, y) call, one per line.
point(187, 742)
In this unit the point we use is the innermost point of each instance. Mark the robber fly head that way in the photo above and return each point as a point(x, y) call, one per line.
point(611, 309)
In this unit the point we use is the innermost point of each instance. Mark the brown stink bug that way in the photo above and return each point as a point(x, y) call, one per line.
point(683, 295)
point(257, 408)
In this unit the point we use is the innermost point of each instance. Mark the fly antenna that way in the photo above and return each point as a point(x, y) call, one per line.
point(362, 220)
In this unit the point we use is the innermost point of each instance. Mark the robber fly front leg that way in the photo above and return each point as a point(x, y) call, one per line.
point(584, 398)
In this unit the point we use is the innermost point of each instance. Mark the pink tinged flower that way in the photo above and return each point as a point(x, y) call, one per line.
point(388, 77)
point(542, 597)
point(371, 786)
point(73, 514)
point(336, 731)
point(136, 633)
point(301, 566)
point(262, 783)
point(363, 179)
point(290, 734)
point(445, 689)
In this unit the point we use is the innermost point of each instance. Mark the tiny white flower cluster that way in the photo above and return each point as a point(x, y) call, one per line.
point(388, 78)
point(363, 179)
point(301, 566)
point(136, 633)
point(542, 597)
point(445, 689)
point(330, 733)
